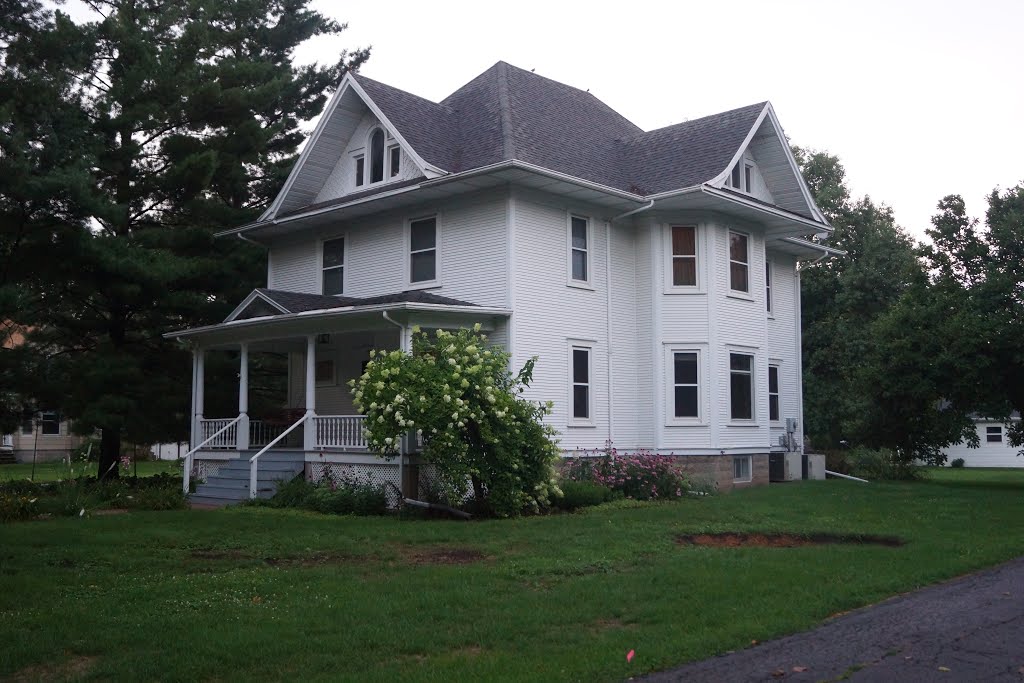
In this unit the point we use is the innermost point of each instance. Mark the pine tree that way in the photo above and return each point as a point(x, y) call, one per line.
point(192, 114)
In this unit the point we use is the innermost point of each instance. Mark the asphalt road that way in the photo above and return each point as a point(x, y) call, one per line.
point(967, 629)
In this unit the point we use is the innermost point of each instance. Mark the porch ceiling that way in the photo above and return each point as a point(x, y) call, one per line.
point(277, 332)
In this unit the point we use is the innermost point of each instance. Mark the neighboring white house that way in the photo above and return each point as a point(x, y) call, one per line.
point(994, 448)
point(654, 274)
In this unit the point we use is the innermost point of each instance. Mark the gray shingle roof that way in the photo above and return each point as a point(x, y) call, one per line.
point(298, 302)
point(507, 113)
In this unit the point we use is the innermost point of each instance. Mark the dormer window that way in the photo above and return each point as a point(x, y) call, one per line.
point(360, 170)
point(742, 177)
point(377, 156)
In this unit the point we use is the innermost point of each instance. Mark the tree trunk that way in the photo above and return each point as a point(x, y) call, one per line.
point(110, 454)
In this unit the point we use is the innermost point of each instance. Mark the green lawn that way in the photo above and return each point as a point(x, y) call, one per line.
point(256, 593)
point(52, 471)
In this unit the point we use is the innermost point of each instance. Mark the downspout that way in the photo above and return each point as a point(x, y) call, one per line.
point(401, 444)
point(608, 308)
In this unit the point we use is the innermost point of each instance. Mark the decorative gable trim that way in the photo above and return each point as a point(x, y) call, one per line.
point(253, 296)
point(769, 113)
point(348, 83)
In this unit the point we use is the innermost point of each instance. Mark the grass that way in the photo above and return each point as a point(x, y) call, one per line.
point(54, 470)
point(258, 593)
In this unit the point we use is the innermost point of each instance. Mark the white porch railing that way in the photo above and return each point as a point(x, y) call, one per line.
point(229, 426)
point(339, 431)
point(254, 460)
point(261, 433)
point(214, 435)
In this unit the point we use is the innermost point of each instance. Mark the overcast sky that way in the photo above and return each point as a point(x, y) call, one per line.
point(918, 98)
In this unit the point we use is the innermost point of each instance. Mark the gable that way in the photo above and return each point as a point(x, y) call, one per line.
point(343, 126)
point(776, 175)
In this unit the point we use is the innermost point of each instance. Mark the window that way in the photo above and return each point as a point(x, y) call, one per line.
point(49, 422)
point(773, 393)
point(994, 434)
point(579, 250)
point(394, 161)
point(768, 285)
point(334, 266)
point(735, 180)
point(741, 386)
point(423, 250)
point(684, 256)
point(580, 359)
point(739, 262)
point(324, 372)
point(741, 468)
point(685, 393)
point(747, 172)
point(377, 156)
point(360, 170)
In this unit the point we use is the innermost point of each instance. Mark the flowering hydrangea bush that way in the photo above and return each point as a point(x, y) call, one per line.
point(641, 475)
point(485, 440)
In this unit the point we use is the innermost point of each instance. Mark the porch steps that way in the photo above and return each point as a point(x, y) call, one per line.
point(231, 484)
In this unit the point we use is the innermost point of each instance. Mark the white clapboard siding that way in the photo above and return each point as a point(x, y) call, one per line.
point(784, 340)
point(292, 266)
point(628, 413)
point(646, 343)
point(549, 313)
point(988, 454)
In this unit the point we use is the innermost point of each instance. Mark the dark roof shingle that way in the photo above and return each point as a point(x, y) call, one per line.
point(508, 113)
point(299, 302)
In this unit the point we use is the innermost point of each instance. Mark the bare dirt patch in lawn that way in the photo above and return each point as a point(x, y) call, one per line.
point(315, 560)
point(72, 668)
point(782, 540)
point(229, 554)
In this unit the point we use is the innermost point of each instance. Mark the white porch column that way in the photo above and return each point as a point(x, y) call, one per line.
point(309, 433)
point(242, 437)
point(198, 356)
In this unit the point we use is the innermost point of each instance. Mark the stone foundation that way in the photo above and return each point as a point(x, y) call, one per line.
point(719, 470)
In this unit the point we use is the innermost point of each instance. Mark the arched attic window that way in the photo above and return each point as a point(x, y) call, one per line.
point(377, 156)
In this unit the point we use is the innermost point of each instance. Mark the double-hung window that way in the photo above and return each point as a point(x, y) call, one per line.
point(773, 393)
point(739, 262)
point(49, 423)
point(685, 385)
point(394, 160)
point(993, 434)
point(334, 266)
point(423, 250)
point(579, 249)
point(684, 256)
point(579, 359)
point(741, 386)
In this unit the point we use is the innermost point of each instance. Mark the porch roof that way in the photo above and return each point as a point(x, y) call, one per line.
point(275, 314)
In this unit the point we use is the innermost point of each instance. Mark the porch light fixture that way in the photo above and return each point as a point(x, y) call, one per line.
point(323, 338)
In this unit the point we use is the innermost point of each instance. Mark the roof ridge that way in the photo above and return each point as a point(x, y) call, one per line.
point(360, 77)
point(505, 110)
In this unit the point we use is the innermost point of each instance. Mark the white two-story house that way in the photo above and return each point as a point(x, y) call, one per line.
point(655, 275)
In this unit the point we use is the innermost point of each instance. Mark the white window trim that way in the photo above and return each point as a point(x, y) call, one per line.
point(702, 410)
point(750, 469)
point(407, 260)
point(742, 421)
point(368, 155)
point(571, 419)
point(1001, 432)
point(738, 293)
point(358, 182)
point(670, 286)
point(388, 170)
point(745, 163)
point(579, 284)
point(769, 286)
point(343, 266)
point(59, 421)
point(772, 363)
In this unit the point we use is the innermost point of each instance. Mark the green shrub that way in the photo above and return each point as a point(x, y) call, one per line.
point(578, 494)
point(354, 499)
point(153, 498)
point(641, 475)
point(293, 493)
point(484, 439)
point(881, 464)
point(15, 507)
point(958, 462)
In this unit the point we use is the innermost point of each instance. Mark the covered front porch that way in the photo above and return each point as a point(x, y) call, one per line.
point(315, 429)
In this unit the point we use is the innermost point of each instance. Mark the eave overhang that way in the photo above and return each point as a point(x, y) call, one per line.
point(342, 318)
